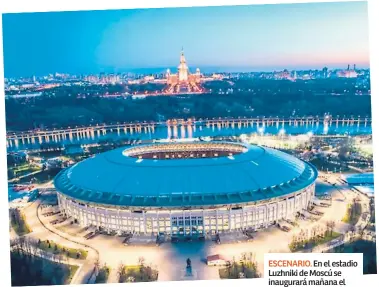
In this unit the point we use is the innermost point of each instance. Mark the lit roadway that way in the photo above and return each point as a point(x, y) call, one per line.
point(23, 176)
point(170, 258)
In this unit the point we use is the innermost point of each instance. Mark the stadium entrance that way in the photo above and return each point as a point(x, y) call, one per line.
point(187, 226)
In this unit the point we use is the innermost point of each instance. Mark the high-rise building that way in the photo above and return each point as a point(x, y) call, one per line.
point(325, 72)
point(183, 69)
point(347, 73)
point(183, 81)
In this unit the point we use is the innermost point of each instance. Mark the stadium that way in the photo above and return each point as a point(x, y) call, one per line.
point(186, 189)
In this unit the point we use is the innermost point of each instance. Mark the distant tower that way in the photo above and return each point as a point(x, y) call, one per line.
point(354, 67)
point(197, 75)
point(325, 72)
point(183, 68)
point(348, 67)
point(168, 76)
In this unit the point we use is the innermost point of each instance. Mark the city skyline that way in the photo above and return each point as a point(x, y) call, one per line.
point(317, 35)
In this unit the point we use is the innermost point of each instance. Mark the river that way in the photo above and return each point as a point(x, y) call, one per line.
point(195, 131)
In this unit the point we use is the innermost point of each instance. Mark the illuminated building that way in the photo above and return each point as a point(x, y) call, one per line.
point(186, 188)
point(283, 75)
point(183, 81)
point(348, 73)
point(183, 69)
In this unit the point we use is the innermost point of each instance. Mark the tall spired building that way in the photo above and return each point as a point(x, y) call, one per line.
point(183, 81)
point(183, 69)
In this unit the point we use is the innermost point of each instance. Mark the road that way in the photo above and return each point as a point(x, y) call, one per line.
point(25, 175)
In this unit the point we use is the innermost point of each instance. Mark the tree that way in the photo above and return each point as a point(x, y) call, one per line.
point(141, 263)
point(121, 273)
point(149, 272)
point(229, 268)
point(97, 266)
point(352, 230)
point(243, 261)
point(330, 226)
point(234, 268)
point(313, 233)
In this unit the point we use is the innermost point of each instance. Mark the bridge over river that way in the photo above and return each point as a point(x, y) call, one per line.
point(190, 128)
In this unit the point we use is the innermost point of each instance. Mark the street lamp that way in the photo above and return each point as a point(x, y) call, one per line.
point(281, 134)
point(261, 130)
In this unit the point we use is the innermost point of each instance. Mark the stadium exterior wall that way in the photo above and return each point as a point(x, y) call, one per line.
point(189, 222)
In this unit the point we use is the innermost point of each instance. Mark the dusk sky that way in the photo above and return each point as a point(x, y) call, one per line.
point(256, 38)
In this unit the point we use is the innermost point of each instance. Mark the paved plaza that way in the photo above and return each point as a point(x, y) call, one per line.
point(170, 258)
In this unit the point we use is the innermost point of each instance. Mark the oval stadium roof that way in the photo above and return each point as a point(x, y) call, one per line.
point(113, 178)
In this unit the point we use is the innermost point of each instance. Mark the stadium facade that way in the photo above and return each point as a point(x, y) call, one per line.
point(186, 189)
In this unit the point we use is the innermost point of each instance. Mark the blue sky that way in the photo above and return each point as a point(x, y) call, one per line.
point(255, 37)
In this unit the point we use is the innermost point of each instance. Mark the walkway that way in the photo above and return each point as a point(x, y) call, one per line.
point(274, 240)
point(25, 175)
point(170, 258)
point(113, 276)
point(349, 195)
point(41, 229)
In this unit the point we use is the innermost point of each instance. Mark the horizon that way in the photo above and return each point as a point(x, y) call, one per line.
point(262, 38)
point(204, 70)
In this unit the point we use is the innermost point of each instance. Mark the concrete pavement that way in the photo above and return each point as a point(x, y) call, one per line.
point(41, 229)
point(113, 276)
point(170, 258)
